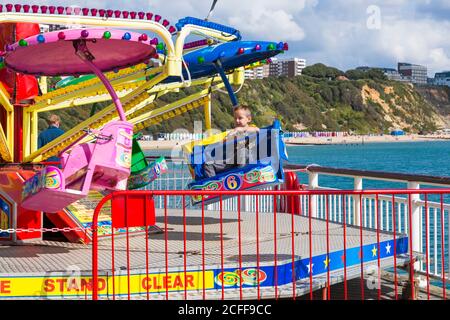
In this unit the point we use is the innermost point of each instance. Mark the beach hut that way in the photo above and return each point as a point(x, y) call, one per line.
point(397, 133)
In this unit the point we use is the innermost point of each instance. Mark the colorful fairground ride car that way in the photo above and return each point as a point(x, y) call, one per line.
point(265, 167)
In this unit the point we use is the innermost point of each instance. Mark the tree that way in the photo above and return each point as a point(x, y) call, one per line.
point(355, 74)
point(319, 70)
point(373, 73)
point(376, 74)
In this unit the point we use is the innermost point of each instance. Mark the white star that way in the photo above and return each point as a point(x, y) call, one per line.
point(310, 267)
point(388, 248)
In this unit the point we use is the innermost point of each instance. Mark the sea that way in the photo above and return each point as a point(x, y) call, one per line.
point(420, 158)
point(426, 158)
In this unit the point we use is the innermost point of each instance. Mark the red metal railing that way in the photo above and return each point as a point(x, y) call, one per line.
point(251, 255)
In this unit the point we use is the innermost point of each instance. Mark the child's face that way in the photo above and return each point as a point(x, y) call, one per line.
point(242, 118)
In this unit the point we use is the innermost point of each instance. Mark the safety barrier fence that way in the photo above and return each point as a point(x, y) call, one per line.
point(430, 212)
point(389, 213)
point(178, 177)
point(293, 251)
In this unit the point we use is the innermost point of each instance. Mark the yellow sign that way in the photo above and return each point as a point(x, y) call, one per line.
point(4, 220)
point(73, 287)
point(83, 209)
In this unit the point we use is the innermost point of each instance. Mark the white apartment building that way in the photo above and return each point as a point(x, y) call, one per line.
point(287, 67)
point(258, 73)
point(414, 73)
point(442, 79)
point(278, 67)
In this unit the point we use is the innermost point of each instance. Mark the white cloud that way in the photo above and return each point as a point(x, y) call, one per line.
point(261, 20)
point(275, 25)
point(337, 34)
point(439, 59)
point(414, 41)
point(330, 31)
point(264, 19)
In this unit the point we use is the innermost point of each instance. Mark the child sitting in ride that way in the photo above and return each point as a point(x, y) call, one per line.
point(240, 154)
point(241, 159)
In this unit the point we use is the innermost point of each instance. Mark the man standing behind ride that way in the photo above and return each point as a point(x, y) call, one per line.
point(51, 133)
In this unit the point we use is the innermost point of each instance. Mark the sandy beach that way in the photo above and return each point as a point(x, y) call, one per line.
point(363, 139)
point(168, 145)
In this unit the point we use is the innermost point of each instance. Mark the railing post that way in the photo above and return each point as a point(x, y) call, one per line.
point(208, 115)
point(244, 204)
point(313, 184)
point(416, 226)
point(357, 186)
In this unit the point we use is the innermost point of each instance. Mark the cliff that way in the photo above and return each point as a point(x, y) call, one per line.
point(323, 99)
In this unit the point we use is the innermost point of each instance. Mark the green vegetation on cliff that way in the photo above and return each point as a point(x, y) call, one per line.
point(322, 99)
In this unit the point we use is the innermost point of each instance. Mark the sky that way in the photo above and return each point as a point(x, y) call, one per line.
point(340, 33)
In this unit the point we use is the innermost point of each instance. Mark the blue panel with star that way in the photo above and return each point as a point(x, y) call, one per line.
point(5, 219)
point(5, 206)
point(265, 276)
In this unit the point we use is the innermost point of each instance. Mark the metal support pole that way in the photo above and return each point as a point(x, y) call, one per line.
point(26, 127)
point(208, 116)
point(43, 85)
point(230, 91)
point(10, 130)
point(358, 185)
point(313, 178)
point(18, 133)
point(83, 53)
point(34, 131)
point(416, 219)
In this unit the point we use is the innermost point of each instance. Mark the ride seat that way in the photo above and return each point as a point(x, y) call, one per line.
point(111, 160)
point(103, 165)
point(269, 150)
point(46, 191)
point(76, 162)
point(264, 168)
